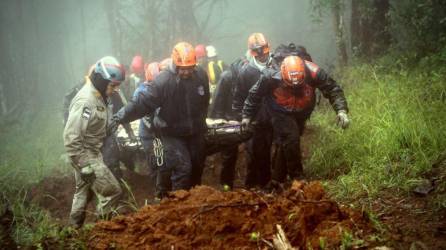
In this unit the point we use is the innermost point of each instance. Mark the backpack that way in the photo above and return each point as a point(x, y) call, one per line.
point(291, 49)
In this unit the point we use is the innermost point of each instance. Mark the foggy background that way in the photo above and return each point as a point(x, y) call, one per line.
point(48, 45)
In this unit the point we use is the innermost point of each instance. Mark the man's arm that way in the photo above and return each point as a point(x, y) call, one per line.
point(256, 94)
point(79, 116)
point(331, 90)
point(145, 103)
point(240, 94)
point(222, 94)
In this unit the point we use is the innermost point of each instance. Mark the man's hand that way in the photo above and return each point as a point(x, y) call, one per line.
point(246, 123)
point(112, 126)
point(342, 119)
point(87, 174)
point(132, 137)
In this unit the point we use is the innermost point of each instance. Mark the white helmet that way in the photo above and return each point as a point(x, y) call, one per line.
point(211, 51)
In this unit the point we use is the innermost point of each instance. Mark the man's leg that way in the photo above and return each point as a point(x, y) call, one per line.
point(229, 159)
point(81, 197)
point(177, 164)
point(196, 152)
point(106, 188)
point(259, 151)
point(287, 141)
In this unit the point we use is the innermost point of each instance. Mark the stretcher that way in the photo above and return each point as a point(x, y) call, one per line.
point(220, 135)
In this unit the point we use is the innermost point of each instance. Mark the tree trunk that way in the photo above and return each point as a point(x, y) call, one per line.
point(369, 26)
point(338, 25)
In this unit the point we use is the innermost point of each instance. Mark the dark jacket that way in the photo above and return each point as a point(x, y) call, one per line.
point(183, 103)
point(296, 100)
point(224, 94)
point(249, 75)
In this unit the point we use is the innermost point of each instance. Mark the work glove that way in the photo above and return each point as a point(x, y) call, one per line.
point(342, 119)
point(132, 137)
point(87, 174)
point(113, 126)
point(245, 125)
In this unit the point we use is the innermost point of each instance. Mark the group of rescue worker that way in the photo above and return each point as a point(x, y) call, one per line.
point(271, 95)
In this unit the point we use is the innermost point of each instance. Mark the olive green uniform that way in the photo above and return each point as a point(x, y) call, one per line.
point(83, 136)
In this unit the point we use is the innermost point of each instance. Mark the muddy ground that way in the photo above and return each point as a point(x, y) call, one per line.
point(212, 219)
point(209, 217)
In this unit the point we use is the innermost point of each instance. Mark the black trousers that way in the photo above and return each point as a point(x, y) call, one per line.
point(258, 172)
point(287, 131)
point(229, 159)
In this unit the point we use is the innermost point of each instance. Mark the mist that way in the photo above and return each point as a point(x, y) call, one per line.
point(48, 45)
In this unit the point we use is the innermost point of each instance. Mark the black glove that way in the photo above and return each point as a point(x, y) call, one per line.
point(112, 126)
point(87, 174)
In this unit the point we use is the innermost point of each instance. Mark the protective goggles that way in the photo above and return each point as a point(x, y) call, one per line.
point(260, 50)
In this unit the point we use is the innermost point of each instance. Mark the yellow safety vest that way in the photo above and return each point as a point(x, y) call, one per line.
point(211, 70)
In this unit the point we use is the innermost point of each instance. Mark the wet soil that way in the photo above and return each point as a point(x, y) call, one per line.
point(206, 218)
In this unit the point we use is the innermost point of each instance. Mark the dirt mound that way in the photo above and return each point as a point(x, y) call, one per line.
point(207, 218)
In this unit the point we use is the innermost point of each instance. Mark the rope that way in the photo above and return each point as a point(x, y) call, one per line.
point(158, 151)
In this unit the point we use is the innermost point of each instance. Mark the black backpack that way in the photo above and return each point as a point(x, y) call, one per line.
point(291, 49)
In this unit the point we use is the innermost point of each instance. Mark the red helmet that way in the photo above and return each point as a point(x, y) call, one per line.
point(200, 51)
point(152, 71)
point(137, 65)
point(183, 55)
point(293, 70)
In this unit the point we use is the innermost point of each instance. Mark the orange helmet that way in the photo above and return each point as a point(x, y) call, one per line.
point(183, 55)
point(293, 70)
point(165, 63)
point(152, 70)
point(257, 44)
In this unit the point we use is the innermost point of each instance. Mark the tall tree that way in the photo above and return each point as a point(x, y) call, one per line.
point(370, 27)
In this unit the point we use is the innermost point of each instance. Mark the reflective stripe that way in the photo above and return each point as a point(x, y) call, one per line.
point(220, 65)
point(211, 72)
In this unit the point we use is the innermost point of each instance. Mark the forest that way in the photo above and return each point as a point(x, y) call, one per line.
point(377, 181)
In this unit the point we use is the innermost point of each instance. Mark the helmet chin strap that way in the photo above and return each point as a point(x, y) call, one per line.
point(100, 84)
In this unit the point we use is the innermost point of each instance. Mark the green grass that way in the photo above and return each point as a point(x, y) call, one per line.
point(29, 151)
point(398, 129)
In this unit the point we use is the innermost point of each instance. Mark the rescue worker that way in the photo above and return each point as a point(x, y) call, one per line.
point(215, 67)
point(200, 53)
point(222, 109)
point(288, 94)
point(150, 135)
point(258, 147)
point(111, 153)
point(181, 92)
point(83, 136)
